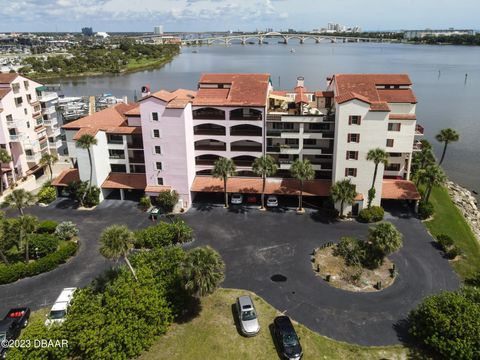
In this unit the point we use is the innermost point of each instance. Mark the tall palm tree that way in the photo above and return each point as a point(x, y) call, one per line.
point(446, 136)
point(19, 199)
point(264, 166)
point(378, 156)
point(344, 192)
point(303, 171)
point(3, 241)
point(421, 159)
point(116, 242)
point(432, 175)
point(87, 141)
point(203, 271)
point(49, 160)
point(27, 225)
point(5, 158)
point(223, 168)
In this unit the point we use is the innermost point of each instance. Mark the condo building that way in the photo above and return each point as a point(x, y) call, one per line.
point(171, 140)
point(28, 120)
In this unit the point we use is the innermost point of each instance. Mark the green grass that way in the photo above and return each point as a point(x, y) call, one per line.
point(213, 335)
point(449, 220)
point(136, 65)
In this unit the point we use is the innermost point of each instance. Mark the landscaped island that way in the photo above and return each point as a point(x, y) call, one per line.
point(123, 57)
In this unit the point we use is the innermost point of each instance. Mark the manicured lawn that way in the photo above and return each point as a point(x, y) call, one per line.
point(449, 220)
point(213, 335)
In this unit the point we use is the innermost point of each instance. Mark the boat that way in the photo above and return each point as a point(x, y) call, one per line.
point(194, 51)
point(292, 50)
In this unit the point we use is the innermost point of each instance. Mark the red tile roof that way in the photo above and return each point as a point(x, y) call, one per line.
point(397, 95)
point(240, 90)
point(7, 78)
point(4, 92)
point(399, 190)
point(133, 112)
point(66, 177)
point(177, 99)
point(324, 94)
point(402, 117)
point(125, 181)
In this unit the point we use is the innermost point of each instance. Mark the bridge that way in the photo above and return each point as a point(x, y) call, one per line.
point(284, 38)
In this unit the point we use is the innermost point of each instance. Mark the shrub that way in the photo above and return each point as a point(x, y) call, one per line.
point(182, 232)
point(47, 227)
point(351, 249)
point(42, 244)
point(445, 242)
point(11, 273)
point(155, 236)
point(449, 323)
point(81, 192)
point(167, 200)
point(374, 214)
point(383, 240)
point(66, 230)
point(47, 194)
point(92, 198)
point(425, 210)
point(145, 202)
point(453, 252)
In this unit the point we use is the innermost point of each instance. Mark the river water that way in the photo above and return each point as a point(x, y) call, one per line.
point(446, 98)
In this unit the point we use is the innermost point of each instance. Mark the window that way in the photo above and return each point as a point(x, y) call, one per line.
point(351, 172)
point(116, 154)
point(159, 181)
point(9, 118)
point(395, 154)
point(156, 133)
point(114, 139)
point(394, 126)
point(157, 149)
point(28, 124)
point(29, 152)
point(158, 165)
point(392, 167)
point(29, 97)
point(309, 142)
point(354, 120)
point(352, 155)
point(390, 142)
point(16, 88)
point(137, 169)
point(25, 111)
point(154, 116)
point(26, 84)
point(119, 168)
point(353, 138)
point(18, 100)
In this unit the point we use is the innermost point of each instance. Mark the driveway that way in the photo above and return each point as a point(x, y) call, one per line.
point(42, 290)
point(258, 245)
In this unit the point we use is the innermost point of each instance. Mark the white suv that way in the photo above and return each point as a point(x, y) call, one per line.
point(59, 309)
point(236, 199)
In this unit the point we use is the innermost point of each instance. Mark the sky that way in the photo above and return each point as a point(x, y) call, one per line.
point(245, 15)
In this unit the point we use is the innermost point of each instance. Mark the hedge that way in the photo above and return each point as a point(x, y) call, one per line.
point(372, 214)
point(11, 273)
point(47, 227)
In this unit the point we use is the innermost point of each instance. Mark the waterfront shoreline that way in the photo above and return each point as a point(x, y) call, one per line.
point(467, 204)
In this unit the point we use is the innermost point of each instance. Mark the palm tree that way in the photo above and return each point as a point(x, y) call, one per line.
point(3, 242)
point(49, 160)
point(264, 166)
point(203, 271)
point(378, 156)
point(303, 171)
point(446, 136)
point(344, 192)
point(5, 158)
point(86, 141)
point(27, 225)
point(432, 175)
point(223, 168)
point(116, 242)
point(19, 199)
point(421, 159)
point(383, 240)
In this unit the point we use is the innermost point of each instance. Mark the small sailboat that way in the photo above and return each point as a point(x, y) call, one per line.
point(292, 50)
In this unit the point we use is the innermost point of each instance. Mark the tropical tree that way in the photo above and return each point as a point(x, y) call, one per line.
point(4, 241)
point(116, 242)
point(421, 159)
point(378, 156)
point(86, 142)
point(19, 199)
point(5, 158)
point(203, 271)
point(432, 175)
point(49, 160)
point(302, 170)
point(344, 192)
point(182, 233)
point(223, 168)
point(264, 166)
point(27, 225)
point(446, 136)
point(383, 240)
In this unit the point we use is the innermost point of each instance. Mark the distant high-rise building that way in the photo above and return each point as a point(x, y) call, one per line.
point(87, 31)
point(158, 30)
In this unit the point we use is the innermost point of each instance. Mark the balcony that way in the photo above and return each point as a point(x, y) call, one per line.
point(246, 117)
point(206, 147)
point(246, 114)
point(246, 148)
point(136, 160)
point(419, 130)
point(208, 114)
point(246, 132)
point(220, 132)
point(55, 144)
point(278, 132)
point(13, 124)
point(16, 137)
point(417, 146)
point(35, 158)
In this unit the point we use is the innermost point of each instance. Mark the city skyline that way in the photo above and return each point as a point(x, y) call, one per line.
point(247, 15)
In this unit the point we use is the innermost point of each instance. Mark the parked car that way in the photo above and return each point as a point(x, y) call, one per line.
point(272, 201)
point(247, 316)
point(286, 338)
point(236, 199)
point(60, 307)
point(11, 326)
point(251, 199)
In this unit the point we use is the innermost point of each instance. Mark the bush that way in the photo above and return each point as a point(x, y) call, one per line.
point(47, 227)
point(453, 252)
point(155, 236)
point(11, 273)
point(383, 240)
point(47, 194)
point(425, 210)
point(92, 198)
point(145, 202)
point(374, 214)
point(81, 192)
point(42, 244)
point(449, 324)
point(351, 249)
point(182, 232)
point(66, 230)
point(167, 200)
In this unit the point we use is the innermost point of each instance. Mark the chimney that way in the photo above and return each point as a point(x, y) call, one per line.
point(145, 90)
point(300, 81)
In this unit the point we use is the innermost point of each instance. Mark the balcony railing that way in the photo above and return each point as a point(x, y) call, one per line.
point(246, 148)
point(278, 132)
point(208, 116)
point(419, 130)
point(246, 132)
point(33, 158)
point(246, 117)
point(211, 147)
point(417, 146)
point(136, 160)
point(204, 162)
point(117, 157)
point(135, 145)
point(209, 132)
point(243, 162)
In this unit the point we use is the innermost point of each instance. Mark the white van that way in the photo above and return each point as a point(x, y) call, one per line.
point(59, 309)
